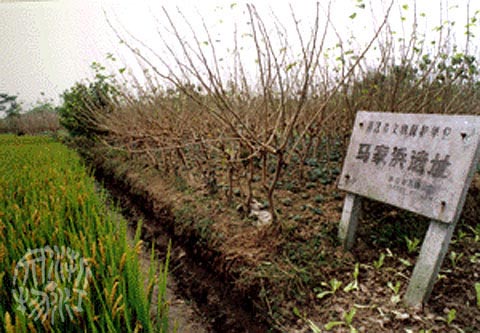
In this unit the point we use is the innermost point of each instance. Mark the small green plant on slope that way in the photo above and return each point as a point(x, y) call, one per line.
point(347, 321)
point(412, 244)
point(333, 285)
point(451, 316)
point(354, 284)
point(477, 292)
point(454, 258)
point(379, 263)
point(396, 291)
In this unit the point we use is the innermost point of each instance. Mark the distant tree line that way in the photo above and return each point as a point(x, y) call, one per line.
point(39, 119)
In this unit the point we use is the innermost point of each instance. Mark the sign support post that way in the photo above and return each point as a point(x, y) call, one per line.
point(434, 248)
point(348, 223)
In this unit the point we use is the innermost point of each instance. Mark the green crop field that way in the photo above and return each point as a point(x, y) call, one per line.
point(66, 264)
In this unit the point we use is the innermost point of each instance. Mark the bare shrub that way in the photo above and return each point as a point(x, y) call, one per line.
point(297, 105)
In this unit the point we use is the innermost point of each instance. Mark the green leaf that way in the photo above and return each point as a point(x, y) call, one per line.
point(335, 284)
point(379, 263)
point(332, 324)
point(356, 271)
point(452, 314)
point(405, 262)
point(351, 286)
point(405, 7)
point(395, 288)
point(477, 290)
point(296, 312)
point(324, 294)
point(348, 316)
point(353, 16)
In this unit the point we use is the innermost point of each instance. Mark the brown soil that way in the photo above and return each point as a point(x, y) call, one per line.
point(248, 279)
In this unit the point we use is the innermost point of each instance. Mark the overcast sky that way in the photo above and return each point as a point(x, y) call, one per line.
point(46, 46)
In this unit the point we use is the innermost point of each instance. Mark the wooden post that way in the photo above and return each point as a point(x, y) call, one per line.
point(349, 221)
point(434, 248)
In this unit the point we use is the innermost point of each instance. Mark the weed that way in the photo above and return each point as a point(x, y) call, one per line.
point(405, 262)
point(333, 286)
point(476, 232)
point(379, 263)
point(354, 284)
point(455, 258)
point(477, 292)
point(395, 288)
point(412, 245)
point(347, 321)
point(475, 259)
point(451, 315)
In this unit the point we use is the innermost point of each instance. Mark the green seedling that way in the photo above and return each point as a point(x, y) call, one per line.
point(475, 259)
point(462, 234)
point(455, 257)
point(354, 284)
point(348, 316)
point(347, 321)
point(405, 262)
point(333, 286)
point(297, 313)
point(476, 233)
point(451, 315)
point(412, 244)
point(396, 291)
point(477, 291)
point(379, 263)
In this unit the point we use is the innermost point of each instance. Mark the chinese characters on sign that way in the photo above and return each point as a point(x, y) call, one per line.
point(417, 161)
point(411, 130)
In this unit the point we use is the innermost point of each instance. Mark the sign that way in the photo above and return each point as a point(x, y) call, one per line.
point(417, 162)
point(423, 163)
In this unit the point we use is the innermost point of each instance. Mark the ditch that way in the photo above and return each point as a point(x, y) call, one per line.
point(200, 301)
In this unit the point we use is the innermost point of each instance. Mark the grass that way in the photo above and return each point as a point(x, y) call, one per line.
point(48, 200)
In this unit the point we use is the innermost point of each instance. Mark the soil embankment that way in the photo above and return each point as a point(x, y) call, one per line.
point(241, 278)
point(202, 299)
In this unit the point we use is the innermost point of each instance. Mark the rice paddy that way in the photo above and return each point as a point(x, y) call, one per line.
point(66, 263)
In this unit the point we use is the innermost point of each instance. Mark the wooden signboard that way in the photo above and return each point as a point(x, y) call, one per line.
point(423, 163)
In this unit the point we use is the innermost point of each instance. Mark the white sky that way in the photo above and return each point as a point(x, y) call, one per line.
point(47, 46)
